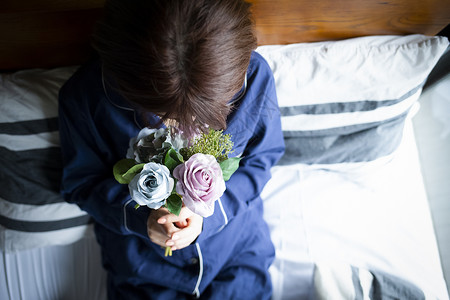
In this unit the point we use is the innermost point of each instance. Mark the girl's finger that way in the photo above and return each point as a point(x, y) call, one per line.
point(185, 236)
point(157, 237)
point(185, 213)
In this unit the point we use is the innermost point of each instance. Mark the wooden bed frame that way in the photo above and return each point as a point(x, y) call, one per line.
point(51, 33)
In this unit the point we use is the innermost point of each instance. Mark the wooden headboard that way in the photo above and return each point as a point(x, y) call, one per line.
point(51, 33)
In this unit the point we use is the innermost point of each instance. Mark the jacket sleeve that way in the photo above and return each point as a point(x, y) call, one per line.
point(87, 169)
point(259, 120)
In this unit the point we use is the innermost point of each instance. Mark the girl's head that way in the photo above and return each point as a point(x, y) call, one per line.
point(180, 59)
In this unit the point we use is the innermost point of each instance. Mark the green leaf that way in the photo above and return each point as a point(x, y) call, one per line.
point(121, 167)
point(229, 166)
point(133, 171)
point(125, 169)
point(172, 159)
point(174, 204)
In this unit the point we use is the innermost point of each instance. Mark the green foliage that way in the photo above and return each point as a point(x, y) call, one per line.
point(125, 169)
point(174, 204)
point(214, 143)
point(172, 159)
point(229, 166)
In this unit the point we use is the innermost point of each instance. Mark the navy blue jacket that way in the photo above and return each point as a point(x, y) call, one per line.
point(230, 258)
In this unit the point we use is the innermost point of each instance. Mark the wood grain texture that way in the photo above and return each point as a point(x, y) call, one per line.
point(49, 33)
point(288, 21)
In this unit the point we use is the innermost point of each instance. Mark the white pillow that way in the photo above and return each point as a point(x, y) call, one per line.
point(345, 101)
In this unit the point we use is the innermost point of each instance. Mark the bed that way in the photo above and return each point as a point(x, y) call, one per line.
point(346, 205)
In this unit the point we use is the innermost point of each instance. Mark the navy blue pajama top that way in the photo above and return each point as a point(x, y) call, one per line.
point(96, 125)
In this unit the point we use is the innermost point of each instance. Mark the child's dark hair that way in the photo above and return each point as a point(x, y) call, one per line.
point(183, 60)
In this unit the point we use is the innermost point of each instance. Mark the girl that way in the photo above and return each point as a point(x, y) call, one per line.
point(190, 64)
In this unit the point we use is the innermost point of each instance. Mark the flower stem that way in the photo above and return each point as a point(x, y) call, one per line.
point(168, 251)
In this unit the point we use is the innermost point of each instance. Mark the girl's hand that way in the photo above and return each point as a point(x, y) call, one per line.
point(166, 229)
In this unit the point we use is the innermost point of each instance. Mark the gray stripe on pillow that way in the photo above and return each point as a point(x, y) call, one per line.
point(44, 226)
point(333, 131)
point(31, 176)
point(29, 127)
point(343, 107)
point(355, 144)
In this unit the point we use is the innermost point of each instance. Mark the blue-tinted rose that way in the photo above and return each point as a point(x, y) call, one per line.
point(152, 186)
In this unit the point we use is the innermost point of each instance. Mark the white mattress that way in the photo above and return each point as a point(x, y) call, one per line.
point(372, 215)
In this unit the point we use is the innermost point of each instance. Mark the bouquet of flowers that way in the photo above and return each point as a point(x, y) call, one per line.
point(163, 168)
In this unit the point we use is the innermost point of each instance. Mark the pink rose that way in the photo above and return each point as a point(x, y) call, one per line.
point(200, 183)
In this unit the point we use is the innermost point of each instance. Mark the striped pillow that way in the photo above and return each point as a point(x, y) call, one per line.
point(346, 101)
point(32, 212)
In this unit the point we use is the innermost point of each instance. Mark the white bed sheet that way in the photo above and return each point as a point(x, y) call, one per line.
point(63, 272)
point(371, 215)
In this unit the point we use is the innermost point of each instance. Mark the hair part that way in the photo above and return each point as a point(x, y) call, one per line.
point(183, 60)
